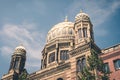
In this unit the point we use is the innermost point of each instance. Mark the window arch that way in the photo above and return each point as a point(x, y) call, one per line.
point(70, 31)
point(60, 79)
point(85, 32)
point(79, 65)
point(16, 65)
point(64, 55)
point(83, 62)
point(80, 33)
point(52, 57)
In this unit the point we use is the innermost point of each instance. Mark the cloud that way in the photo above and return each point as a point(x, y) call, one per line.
point(12, 35)
point(99, 11)
point(34, 6)
point(5, 50)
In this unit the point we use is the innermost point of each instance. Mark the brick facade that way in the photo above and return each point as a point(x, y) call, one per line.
point(109, 55)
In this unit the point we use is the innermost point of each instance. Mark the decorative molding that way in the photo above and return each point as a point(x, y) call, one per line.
point(111, 56)
point(79, 50)
point(47, 72)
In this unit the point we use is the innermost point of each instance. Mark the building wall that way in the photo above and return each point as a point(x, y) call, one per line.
point(109, 56)
point(67, 69)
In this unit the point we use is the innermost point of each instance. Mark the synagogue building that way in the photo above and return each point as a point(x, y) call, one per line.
point(65, 54)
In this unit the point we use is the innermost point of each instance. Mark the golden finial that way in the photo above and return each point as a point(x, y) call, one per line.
point(66, 18)
point(81, 11)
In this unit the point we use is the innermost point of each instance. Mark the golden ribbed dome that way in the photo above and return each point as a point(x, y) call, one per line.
point(60, 30)
point(20, 50)
point(82, 17)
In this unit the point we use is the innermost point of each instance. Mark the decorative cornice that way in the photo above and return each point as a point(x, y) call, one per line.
point(79, 50)
point(110, 49)
point(47, 72)
point(110, 56)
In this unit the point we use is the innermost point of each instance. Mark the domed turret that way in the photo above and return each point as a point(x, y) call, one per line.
point(83, 29)
point(18, 60)
point(82, 17)
point(61, 31)
point(20, 50)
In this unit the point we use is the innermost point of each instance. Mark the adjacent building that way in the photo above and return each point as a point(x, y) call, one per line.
point(111, 58)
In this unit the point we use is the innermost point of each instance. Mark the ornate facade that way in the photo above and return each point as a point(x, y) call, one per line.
point(67, 48)
point(66, 51)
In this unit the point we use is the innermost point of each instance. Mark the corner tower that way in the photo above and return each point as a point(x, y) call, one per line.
point(17, 64)
point(18, 59)
point(83, 29)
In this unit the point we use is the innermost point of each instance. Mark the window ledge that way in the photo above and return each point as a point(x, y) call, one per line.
point(117, 68)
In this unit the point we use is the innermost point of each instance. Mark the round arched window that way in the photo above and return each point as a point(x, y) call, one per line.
point(79, 66)
point(70, 31)
point(60, 79)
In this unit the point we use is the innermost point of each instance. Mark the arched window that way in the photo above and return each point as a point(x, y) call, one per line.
point(64, 55)
point(85, 32)
point(70, 31)
point(79, 65)
point(52, 57)
point(60, 79)
point(80, 33)
point(83, 62)
point(16, 65)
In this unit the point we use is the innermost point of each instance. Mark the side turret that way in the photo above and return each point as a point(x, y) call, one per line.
point(18, 60)
point(83, 29)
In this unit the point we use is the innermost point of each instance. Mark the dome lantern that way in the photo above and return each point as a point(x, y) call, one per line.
point(20, 50)
point(81, 16)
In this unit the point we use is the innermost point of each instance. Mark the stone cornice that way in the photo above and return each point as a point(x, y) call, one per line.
point(79, 50)
point(46, 72)
point(61, 39)
point(83, 48)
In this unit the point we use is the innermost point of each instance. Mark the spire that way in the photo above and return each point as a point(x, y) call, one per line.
point(66, 18)
point(81, 11)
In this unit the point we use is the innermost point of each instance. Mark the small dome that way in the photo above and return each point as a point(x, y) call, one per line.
point(82, 17)
point(61, 30)
point(20, 50)
point(20, 47)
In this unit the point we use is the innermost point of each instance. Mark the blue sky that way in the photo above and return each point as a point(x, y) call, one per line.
point(28, 21)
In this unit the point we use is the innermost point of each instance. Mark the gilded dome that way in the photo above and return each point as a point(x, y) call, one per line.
point(61, 30)
point(20, 50)
point(82, 17)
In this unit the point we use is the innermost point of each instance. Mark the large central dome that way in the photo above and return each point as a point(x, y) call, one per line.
point(61, 31)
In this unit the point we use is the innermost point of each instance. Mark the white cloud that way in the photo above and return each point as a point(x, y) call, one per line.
point(12, 35)
point(99, 11)
point(5, 51)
